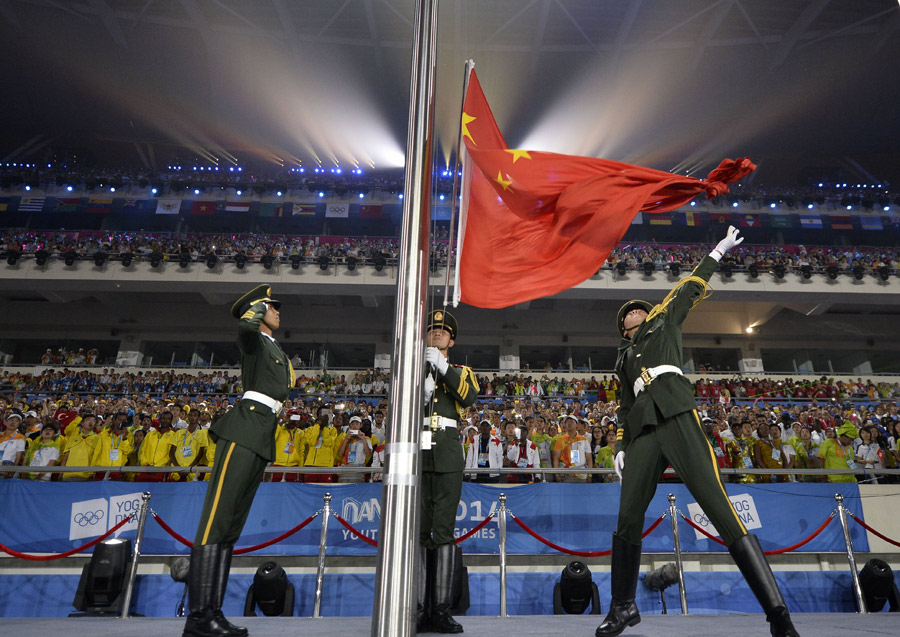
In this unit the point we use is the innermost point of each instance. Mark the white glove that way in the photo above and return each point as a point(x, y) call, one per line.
point(429, 388)
point(731, 239)
point(434, 357)
point(619, 463)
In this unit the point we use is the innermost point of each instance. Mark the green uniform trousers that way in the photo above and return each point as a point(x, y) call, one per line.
point(681, 442)
point(440, 500)
point(236, 475)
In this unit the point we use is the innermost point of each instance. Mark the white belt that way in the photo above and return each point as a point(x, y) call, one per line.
point(648, 375)
point(440, 422)
point(268, 401)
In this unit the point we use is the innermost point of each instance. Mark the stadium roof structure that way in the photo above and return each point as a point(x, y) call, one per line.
point(676, 85)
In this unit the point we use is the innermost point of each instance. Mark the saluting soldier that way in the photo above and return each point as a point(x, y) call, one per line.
point(658, 426)
point(449, 390)
point(245, 443)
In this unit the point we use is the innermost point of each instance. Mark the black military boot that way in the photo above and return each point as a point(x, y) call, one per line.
point(751, 560)
point(626, 565)
point(222, 573)
point(445, 563)
point(424, 567)
point(202, 595)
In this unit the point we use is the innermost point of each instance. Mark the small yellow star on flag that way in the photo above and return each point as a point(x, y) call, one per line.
point(505, 183)
point(466, 120)
point(518, 154)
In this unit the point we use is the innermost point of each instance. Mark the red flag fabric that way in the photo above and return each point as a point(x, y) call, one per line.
point(538, 223)
point(203, 208)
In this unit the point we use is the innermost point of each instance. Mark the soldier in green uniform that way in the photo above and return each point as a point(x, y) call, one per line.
point(449, 390)
point(658, 426)
point(245, 443)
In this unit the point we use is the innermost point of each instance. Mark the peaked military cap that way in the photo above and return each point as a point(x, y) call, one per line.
point(625, 309)
point(442, 320)
point(259, 294)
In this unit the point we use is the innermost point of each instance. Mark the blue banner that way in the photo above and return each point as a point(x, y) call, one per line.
point(56, 517)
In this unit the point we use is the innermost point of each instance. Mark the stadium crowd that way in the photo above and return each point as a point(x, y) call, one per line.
point(520, 421)
point(195, 247)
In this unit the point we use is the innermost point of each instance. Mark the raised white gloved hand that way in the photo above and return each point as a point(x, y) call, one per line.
point(731, 239)
point(434, 357)
point(619, 463)
point(429, 388)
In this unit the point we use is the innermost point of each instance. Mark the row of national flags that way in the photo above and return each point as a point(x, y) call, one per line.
point(766, 220)
point(194, 207)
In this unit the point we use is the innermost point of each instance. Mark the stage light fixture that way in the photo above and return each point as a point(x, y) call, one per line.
point(211, 260)
point(41, 256)
point(295, 261)
point(267, 261)
point(778, 271)
point(239, 261)
point(648, 268)
point(380, 262)
point(806, 271)
point(100, 258)
point(753, 270)
point(877, 582)
point(620, 268)
point(69, 258)
point(196, 191)
point(351, 263)
point(323, 262)
point(156, 259)
point(727, 270)
point(575, 591)
point(858, 272)
point(675, 268)
point(102, 584)
point(184, 260)
point(271, 592)
point(154, 191)
point(832, 272)
point(884, 272)
point(127, 258)
point(12, 256)
point(68, 188)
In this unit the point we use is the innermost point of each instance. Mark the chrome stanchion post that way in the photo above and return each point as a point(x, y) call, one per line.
point(857, 588)
point(138, 540)
point(323, 543)
point(502, 522)
point(679, 565)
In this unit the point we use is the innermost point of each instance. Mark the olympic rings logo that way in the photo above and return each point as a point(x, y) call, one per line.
point(701, 519)
point(91, 517)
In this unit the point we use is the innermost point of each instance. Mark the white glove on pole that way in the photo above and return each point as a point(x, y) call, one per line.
point(434, 357)
point(619, 463)
point(731, 239)
point(429, 388)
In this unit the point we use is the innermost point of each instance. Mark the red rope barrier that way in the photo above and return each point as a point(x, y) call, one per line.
point(247, 549)
point(59, 556)
point(481, 525)
point(874, 532)
point(579, 553)
point(362, 537)
point(786, 549)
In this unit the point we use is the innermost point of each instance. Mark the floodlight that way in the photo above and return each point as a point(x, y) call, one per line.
point(575, 591)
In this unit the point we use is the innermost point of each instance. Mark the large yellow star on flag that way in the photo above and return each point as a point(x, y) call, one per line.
point(518, 154)
point(505, 183)
point(466, 120)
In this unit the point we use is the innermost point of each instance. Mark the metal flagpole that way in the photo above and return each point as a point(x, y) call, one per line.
point(393, 614)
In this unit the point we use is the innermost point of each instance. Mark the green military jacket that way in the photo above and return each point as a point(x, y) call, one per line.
point(658, 342)
point(454, 392)
point(266, 369)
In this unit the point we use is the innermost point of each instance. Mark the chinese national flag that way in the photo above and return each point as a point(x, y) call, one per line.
point(536, 223)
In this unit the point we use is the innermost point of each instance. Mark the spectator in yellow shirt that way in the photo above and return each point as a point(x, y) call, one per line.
point(288, 449)
point(79, 450)
point(354, 449)
point(44, 451)
point(155, 449)
point(113, 449)
point(319, 443)
point(187, 448)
